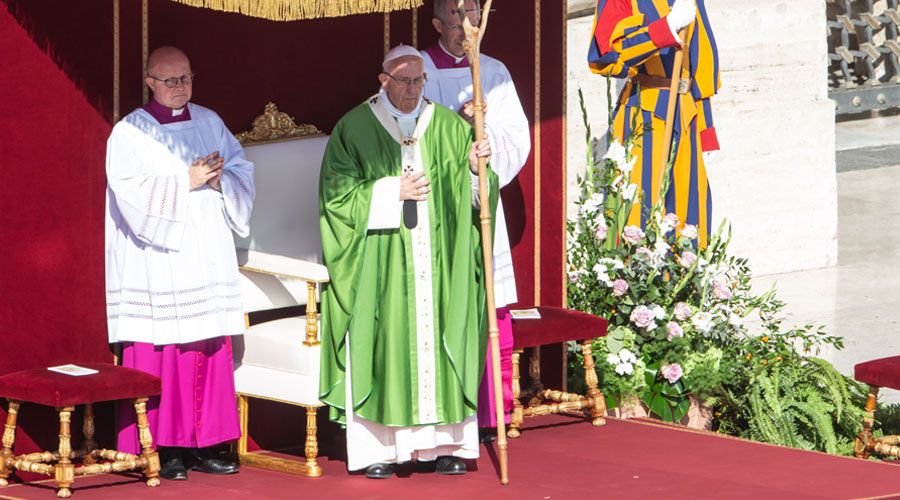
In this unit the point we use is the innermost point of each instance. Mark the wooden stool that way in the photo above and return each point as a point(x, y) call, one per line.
point(878, 373)
point(64, 392)
point(555, 326)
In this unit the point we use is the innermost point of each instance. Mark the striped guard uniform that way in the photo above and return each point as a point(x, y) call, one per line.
point(632, 37)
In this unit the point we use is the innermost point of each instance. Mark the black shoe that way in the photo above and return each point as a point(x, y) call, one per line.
point(380, 471)
point(451, 466)
point(173, 467)
point(487, 434)
point(203, 460)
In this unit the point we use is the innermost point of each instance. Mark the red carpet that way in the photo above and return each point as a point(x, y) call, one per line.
point(558, 458)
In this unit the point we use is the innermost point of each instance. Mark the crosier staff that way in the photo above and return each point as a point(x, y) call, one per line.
point(474, 35)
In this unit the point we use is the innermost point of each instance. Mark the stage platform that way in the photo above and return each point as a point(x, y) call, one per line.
point(556, 458)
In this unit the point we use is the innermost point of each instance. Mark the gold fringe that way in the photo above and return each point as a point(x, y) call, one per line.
point(293, 10)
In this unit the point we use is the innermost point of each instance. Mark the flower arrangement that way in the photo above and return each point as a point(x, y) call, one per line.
point(683, 320)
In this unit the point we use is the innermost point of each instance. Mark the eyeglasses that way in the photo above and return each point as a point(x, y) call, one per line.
point(173, 82)
point(406, 82)
point(454, 27)
point(474, 16)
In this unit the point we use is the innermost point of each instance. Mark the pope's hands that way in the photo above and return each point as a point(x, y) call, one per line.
point(681, 14)
point(480, 149)
point(467, 111)
point(414, 186)
point(206, 170)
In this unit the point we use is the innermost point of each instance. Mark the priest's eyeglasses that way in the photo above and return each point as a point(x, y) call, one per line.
point(474, 16)
point(407, 82)
point(175, 80)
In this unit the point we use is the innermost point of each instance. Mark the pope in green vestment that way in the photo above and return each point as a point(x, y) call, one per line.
point(403, 318)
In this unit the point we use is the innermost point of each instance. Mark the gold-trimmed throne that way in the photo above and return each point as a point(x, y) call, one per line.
point(278, 357)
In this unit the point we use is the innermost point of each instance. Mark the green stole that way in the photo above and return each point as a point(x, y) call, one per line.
point(413, 300)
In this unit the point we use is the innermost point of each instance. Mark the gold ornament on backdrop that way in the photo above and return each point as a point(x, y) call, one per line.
point(294, 10)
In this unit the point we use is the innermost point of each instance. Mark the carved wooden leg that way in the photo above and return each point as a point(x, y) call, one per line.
point(887, 446)
point(65, 469)
point(148, 454)
point(9, 438)
point(312, 444)
point(243, 403)
point(864, 441)
point(516, 418)
point(598, 409)
point(88, 429)
point(534, 370)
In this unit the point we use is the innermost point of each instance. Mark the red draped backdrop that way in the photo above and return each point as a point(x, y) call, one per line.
point(56, 107)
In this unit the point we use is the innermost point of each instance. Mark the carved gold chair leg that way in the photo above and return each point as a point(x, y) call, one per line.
point(88, 429)
point(598, 406)
point(864, 441)
point(534, 371)
point(312, 444)
point(264, 460)
point(148, 454)
point(563, 402)
point(9, 438)
point(243, 403)
point(517, 415)
point(65, 469)
point(886, 446)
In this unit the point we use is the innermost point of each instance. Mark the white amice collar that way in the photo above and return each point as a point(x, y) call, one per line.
point(179, 111)
point(396, 113)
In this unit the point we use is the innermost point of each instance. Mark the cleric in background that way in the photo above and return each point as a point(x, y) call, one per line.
point(450, 84)
point(178, 186)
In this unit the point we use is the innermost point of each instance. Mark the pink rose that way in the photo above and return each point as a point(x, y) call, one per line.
point(720, 289)
point(689, 231)
point(682, 311)
point(674, 329)
point(620, 286)
point(671, 372)
point(643, 317)
point(687, 259)
point(671, 220)
point(600, 233)
point(633, 234)
point(646, 252)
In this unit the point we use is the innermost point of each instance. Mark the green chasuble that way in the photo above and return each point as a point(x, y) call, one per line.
point(412, 301)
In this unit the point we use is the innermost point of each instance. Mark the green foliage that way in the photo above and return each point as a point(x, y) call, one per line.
point(804, 403)
point(684, 322)
point(887, 418)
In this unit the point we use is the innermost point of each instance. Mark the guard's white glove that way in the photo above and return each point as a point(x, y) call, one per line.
point(681, 14)
point(709, 157)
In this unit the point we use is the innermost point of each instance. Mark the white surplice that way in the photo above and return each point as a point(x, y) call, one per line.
point(509, 135)
point(370, 442)
point(171, 268)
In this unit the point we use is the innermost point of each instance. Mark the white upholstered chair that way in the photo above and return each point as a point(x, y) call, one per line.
point(281, 270)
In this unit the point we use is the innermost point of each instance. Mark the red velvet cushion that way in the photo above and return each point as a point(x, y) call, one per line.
point(556, 325)
point(48, 388)
point(884, 372)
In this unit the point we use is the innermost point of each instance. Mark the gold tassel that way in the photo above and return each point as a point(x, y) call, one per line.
point(293, 10)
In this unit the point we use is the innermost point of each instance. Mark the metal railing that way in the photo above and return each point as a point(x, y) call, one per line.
point(864, 54)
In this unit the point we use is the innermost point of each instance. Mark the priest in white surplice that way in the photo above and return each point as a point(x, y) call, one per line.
point(178, 186)
point(450, 84)
point(403, 318)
